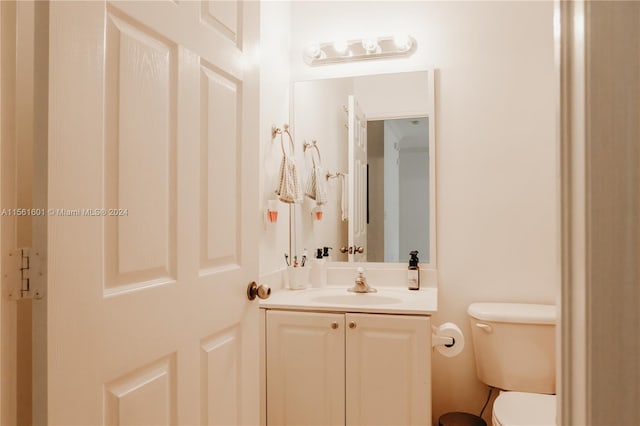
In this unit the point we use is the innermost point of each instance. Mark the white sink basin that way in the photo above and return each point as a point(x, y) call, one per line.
point(356, 299)
point(391, 300)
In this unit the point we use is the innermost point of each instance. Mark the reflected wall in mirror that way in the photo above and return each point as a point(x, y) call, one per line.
point(398, 188)
point(385, 204)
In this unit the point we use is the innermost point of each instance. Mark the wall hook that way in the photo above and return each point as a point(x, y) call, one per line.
point(275, 130)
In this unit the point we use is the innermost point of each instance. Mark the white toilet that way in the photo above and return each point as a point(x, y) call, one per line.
point(514, 346)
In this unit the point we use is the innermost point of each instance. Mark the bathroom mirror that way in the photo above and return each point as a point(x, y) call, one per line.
point(376, 139)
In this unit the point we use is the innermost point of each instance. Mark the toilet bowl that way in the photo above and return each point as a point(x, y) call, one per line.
point(514, 348)
point(524, 409)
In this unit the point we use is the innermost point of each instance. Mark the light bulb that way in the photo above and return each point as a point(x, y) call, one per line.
point(340, 46)
point(313, 50)
point(370, 44)
point(402, 41)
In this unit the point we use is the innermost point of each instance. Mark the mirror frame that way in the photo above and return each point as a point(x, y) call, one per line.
point(431, 115)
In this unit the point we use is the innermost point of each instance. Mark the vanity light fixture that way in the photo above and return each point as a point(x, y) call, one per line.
point(399, 45)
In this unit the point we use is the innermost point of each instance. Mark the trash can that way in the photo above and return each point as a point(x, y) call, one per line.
point(460, 419)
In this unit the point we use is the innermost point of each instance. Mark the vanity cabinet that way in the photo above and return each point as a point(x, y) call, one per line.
point(305, 368)
point(347, 369)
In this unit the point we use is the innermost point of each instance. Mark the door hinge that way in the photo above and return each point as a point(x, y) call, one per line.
point(22, 269)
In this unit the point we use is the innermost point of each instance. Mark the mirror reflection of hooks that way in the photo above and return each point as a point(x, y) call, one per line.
point(311, 145)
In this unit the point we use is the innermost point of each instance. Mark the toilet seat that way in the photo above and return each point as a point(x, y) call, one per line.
point(524, 409)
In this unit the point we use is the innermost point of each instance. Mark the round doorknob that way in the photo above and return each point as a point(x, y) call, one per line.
point(334, 325)
point(358, 250)
point(344, 249)
point(352, 324)
point(261, 291)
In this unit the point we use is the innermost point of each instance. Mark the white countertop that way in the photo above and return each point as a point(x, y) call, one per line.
point(388, 300)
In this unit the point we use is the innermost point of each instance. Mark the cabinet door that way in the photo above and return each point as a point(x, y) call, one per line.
point(305, 368)
point(388, 361)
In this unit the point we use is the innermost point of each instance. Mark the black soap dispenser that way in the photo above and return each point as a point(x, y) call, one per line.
point(413, 274)
point(325, 252)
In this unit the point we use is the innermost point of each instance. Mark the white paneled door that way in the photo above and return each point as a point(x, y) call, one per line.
point(152, 235)
point(358, 181)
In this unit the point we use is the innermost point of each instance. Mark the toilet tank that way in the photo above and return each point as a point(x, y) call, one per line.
point(514, 345)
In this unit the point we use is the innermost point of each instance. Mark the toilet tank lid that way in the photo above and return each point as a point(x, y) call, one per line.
point(524, 313)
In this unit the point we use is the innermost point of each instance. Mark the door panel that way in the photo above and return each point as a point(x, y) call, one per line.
point(152, 116)
point(146, 396)
point(357, 124)
point(388, 377)
point(219, 360)
point(140, 124)
point(305, 369)
point(220, 170)
point(223, 16)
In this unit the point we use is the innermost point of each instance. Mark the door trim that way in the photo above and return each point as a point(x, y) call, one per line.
point(571, 334)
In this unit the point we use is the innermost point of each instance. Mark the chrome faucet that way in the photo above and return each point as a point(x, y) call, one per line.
point(361, 285)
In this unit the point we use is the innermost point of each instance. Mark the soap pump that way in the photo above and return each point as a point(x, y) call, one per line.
point(318, 275)
point(413, 274)
point(325, 252)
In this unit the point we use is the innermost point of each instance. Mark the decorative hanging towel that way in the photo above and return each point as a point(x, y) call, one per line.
point(288, 190)
point(316, 187)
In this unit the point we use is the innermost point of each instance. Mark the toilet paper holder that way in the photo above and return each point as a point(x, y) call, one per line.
point(437, 340)
point(447, 339)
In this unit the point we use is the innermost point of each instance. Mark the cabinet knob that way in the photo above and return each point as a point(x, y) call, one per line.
point(352, 324)
point(334, 325)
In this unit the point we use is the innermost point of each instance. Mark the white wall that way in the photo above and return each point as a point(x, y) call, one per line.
point(496, 161)
point(274, 110)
